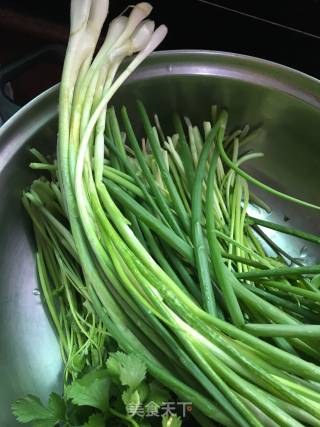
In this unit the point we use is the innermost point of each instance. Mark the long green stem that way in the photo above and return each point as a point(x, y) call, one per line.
point(279, 272)
point(295, 331)
point(200, 251)
point(284, 229)
point(156, 149)
point(260, 184)
point(159, 198)
point(220, 270)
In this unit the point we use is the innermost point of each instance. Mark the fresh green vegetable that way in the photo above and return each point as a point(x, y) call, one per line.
point(158, 283)
point(30, 409)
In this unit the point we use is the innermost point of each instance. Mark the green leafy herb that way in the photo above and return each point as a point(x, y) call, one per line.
point(78, 363)
point(31, 410)
point(132, 402)
point(109, 282)
point(57, 406)
point(130, 369)
point(95, 420)
point(91, 390)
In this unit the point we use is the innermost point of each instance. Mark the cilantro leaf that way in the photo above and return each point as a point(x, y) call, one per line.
point(57, 406)
point(113, 368)
point(130, 369)
point(95, 420)
point(91, 390)
point(171, 421)
point(131, 399)
point(30, 409)
point(78, 363)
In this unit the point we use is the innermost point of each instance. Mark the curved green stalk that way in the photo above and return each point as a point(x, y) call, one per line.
point(159, 198)
point(220, 270)
point(156, 149)
point(292, 331)
point(200, 252)
point(260, 184)
point(284, 229)
point(279, 272)
point(186, 156)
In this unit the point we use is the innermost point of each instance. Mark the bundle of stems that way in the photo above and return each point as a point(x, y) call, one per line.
point(151, 244)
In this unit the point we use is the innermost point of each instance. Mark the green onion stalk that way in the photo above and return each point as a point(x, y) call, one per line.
point(156, 244)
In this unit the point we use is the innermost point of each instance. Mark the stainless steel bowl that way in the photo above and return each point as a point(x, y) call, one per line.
point(284, 102)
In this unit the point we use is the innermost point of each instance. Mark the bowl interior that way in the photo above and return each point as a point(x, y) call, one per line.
point(280, 101)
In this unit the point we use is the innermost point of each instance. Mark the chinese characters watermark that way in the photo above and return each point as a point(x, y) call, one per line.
point(153, 409)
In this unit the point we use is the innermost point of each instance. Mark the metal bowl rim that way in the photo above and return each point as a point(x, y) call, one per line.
point(246, 60)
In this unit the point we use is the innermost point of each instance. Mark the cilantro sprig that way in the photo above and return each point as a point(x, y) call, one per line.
point(121, 392)
point(31, 410)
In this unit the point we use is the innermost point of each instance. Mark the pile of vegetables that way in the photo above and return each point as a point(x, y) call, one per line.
point(160, 285)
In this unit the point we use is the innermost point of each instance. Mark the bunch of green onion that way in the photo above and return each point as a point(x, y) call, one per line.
point(149, 241)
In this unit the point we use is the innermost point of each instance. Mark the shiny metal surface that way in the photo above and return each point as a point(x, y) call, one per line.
point(284, 102)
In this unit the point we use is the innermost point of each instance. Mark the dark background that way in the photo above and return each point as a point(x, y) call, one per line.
point(284, 31)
